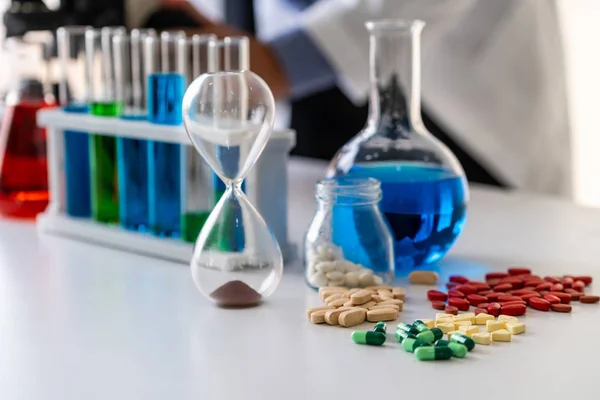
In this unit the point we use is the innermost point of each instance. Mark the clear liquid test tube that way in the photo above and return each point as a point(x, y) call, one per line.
point(197, 177)
point(166, 85)
point(132, 154)
point(102, 95)
point(73, 98)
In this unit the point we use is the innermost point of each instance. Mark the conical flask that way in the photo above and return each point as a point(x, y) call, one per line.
point(237, 261)
point(425, 192)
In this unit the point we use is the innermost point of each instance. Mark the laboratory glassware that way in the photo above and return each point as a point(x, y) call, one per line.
point(425, 192)
point(165, 74)
point(132, 154)
point(102, 92)
point(348, 242)
point(72, 98)
point(23, 167)
point(196, 194)
point(233, 110)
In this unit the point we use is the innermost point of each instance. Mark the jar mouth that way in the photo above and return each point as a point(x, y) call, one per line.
point(349, 191)
point(394, 25)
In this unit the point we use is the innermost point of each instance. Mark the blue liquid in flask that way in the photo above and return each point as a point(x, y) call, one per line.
point(77, 169)
point(424, 206)
point(132, 166)
point(165, 94)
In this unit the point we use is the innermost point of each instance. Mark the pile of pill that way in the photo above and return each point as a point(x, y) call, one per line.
point(327, 267)
point(424, 337)
point(509, 293)
point(349, 307)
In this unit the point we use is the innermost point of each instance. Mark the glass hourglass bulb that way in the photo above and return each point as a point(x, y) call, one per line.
point(229, 117)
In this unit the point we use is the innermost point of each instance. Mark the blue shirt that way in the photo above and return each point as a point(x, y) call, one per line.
point(307, 69)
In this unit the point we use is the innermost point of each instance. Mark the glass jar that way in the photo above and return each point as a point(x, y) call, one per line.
point(425, 192)
point(23, 167)
point(348, 242)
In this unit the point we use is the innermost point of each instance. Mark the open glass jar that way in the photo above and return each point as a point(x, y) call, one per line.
point(348, 242)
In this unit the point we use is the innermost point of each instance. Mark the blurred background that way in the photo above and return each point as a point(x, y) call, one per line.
point(509, 88)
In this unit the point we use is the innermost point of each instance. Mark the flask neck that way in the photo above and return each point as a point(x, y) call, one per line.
point(395, 75)
point(345, 191)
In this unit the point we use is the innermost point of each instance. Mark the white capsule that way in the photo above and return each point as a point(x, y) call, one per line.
point(351, 279)
point(351, 267)
point(366, 278)
point(325, 266)
point(318, 279)
point(335, 275)
point(337, 282)
point(377, 280)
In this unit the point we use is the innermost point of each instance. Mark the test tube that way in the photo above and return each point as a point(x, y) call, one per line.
point(233, 54)
point(102, 95)
point(196, 194)
point(132, 154)
point(166, 85)
point(72, 97)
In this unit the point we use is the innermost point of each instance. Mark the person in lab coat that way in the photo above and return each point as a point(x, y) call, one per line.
point(492, 77)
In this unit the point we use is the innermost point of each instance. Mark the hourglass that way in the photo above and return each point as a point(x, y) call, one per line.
point(237, 261)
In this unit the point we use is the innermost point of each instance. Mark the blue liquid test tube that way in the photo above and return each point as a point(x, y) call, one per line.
point(132, 154)
point(73, 99)
point(165, 73)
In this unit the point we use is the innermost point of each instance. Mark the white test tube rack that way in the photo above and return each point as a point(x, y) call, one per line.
point(266, 186)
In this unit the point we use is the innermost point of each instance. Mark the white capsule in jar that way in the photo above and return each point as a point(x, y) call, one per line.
point(339, 282)
point(318, 279)
point(326, 266)
point(366, 278)
point(351, 279)
point(335, 276)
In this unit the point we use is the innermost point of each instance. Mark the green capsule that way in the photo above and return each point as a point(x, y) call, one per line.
point(407, 328)
point(426, 336)
point(420, 325)
point(462, 339)
point(458, 350)
point(433, 353)
point(442, 342)
point(368, 337)
point(437, 333)
point(401, 335)
point(380, 327)
point(410, 344)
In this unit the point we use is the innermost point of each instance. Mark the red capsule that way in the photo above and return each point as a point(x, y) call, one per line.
point(451, 310)
point(565, 298)
point(518, 271)
point(578, 285)
point(544, 292)
point(552, 299)
point(552, 279)
point(436, 295)
point(493, 282)
point(438, 304)
point(466, 289)
point(480, 286)
point(494, 296)
point(575, 295)
point(503, 287)
point(539, 304)
point(479, 310)
point(458, 279)
point(561, 307)
point(586, 279)
point(483, 305)
point(527, 296)
point(544, 286)
point(495, 275)
point(522, 291)
point(510, 303)
point(557, 287)
point(567, 281)
point(514, 309)
point(456, 293)
point(475, 299)
point(530, 277)
point(533, 282)
point(494, 309)
point(503, 299)
point(516, 282)
point(461, 304)
point(589, 299)
point(485, 292)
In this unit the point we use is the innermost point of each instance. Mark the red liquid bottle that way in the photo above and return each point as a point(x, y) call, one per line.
point(23, 168)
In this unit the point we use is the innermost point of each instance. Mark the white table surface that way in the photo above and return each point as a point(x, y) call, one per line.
point(82, 322)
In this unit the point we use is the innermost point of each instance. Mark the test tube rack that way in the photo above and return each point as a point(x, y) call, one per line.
point(266, 185)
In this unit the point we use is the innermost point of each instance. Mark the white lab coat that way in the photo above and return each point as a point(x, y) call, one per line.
point(492, 74)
